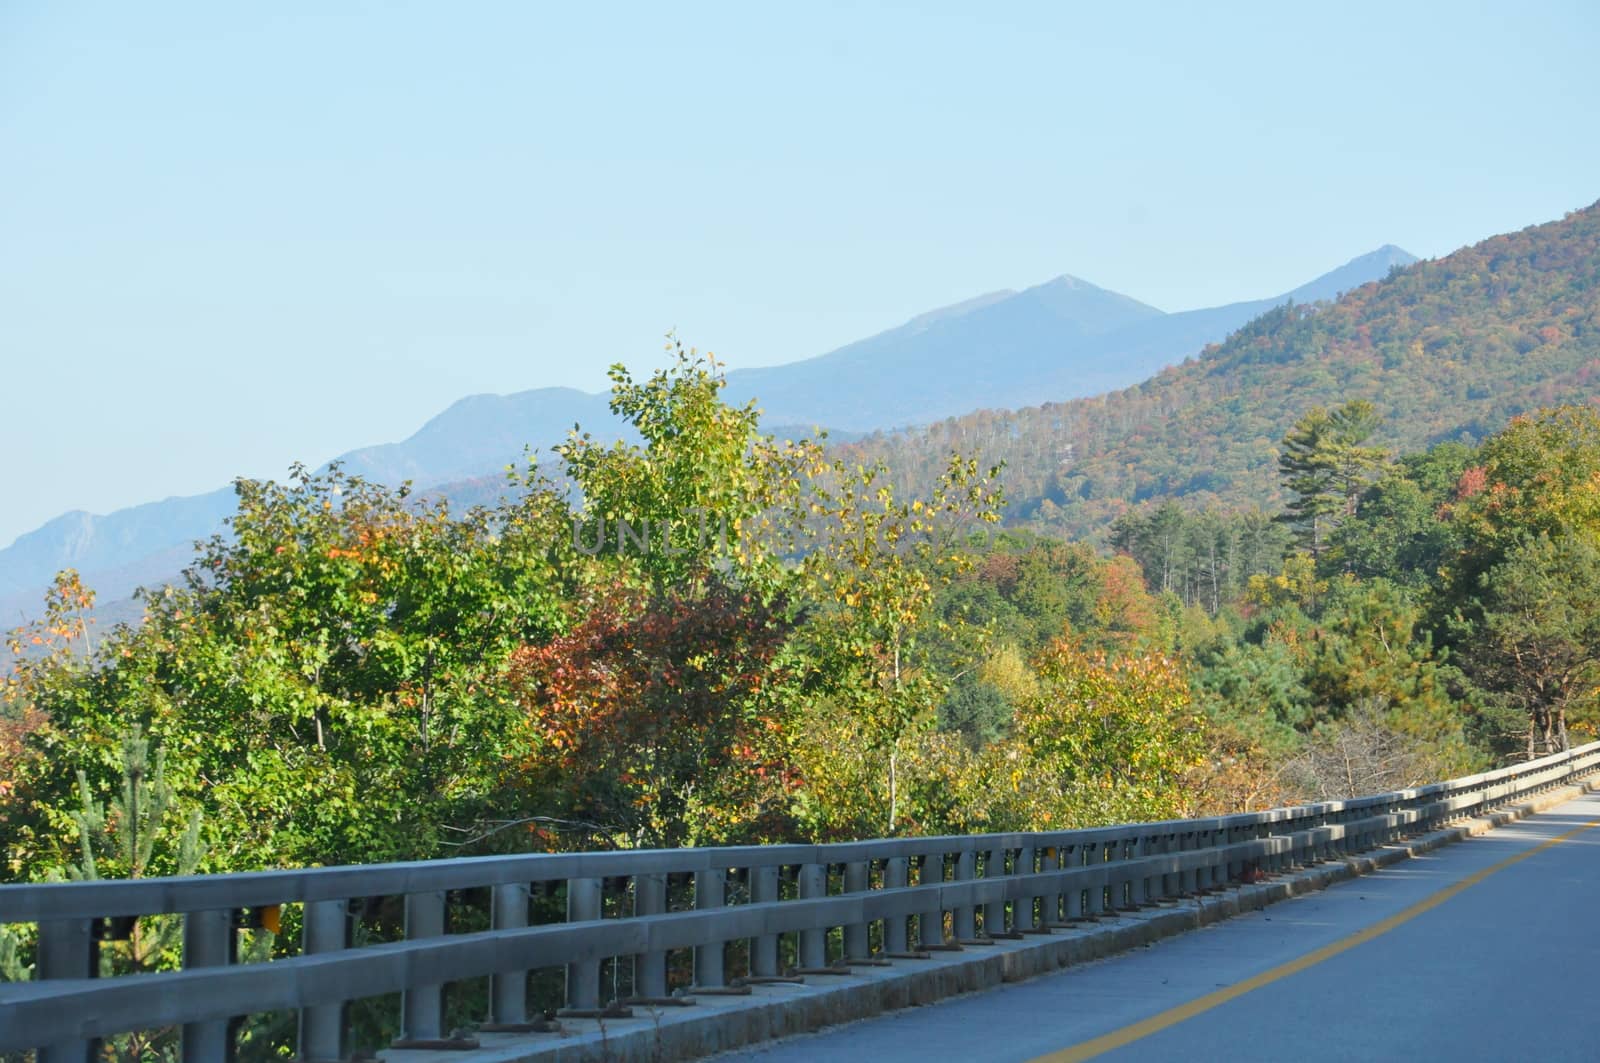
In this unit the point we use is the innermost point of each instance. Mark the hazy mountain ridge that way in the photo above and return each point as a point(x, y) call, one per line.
point(481, 434)
point(98, 543)
point(1064, 338)
point(1060, 340)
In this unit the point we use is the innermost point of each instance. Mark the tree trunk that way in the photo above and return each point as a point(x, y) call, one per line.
point(894, 757)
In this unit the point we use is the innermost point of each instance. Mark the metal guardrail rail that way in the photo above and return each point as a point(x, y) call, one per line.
point(866, 901)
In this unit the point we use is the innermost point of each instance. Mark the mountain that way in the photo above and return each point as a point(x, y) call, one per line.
point(481, 434)
point(1057, 340)
point(1061, 340)
point(1446, 349)
point(101, 544)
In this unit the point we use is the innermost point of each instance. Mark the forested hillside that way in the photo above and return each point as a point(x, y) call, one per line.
point(1445, 349)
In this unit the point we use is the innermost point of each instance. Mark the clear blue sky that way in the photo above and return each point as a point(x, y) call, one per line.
point(234, 236)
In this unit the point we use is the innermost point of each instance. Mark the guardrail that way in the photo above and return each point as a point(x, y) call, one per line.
point(744, 913)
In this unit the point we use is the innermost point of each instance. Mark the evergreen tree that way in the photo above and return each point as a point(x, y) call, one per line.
point(119, 841)
point(1325, 466)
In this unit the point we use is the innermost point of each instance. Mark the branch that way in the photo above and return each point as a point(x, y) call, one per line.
point(507, 824)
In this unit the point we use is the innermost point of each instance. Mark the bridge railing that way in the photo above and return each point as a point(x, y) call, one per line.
point(716, 918)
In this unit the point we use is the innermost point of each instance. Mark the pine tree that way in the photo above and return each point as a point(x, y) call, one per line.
point(130, 838)
point(1325, 466)
point(125, 835)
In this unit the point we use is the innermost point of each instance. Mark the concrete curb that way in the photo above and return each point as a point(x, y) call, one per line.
point(722, 1023)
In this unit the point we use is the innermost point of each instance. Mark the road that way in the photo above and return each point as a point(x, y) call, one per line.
point(1482, 950)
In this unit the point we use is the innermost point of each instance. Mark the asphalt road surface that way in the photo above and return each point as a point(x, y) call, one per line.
point(1481, 950)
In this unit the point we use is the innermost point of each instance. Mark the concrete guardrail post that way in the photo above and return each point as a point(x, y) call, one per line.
point(857, 941)
point(1072, 856)
point(1235, 866)
point(1278, 856)
point(1133, 895)
point(764, 948)
point(965, 917)
point(67, 949)
point(814, 941)
point(1022, 909)
point(1171, 885)
point(209, 940)
point(583, 976)
point(508, 990)
point(930, 918)
point(1095, 855)
point(422, 1006)
point(896, 875)
point(1050, 901)
point(326, 929)
point(994, 912)
point(1188, 878)
point(710, 891)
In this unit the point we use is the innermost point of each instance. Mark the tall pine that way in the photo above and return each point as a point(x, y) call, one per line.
point(1326, 465)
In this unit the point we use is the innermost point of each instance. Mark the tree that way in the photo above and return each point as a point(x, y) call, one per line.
point(1540, 638)
point(120, 840)
point(651, 724)
point(52, 660)
point(1325, 467)
point(874, 563)
point(144, 830)
point(703, 490)
point(327, 679)
point(1401, 529)
point(1204, 557)
point(1362, 754)
point(1519, 602)
point(1160, 542)
point(1295, 586)
point(977, 709)
point(654, 719)
point(1117, 736)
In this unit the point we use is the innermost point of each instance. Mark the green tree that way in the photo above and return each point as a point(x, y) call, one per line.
point(704, 490)
point(874, 563)
point(1325, 468)
point(976, 709)
point(1401, 529)
point(328, 678)
point(1118, 737)
point(144, 830)
point(120, 839)
point(1517, 602)
point(1370, 651)
point(1539, 644)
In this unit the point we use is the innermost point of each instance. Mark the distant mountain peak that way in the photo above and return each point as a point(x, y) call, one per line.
point(1353, 274)
point(1087, 305)
point(1066, 282)
point(1388, 255)
point(966, 306)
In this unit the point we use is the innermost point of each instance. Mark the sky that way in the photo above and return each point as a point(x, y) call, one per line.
point(237, 236)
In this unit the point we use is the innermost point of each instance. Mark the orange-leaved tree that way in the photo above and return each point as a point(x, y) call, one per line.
point(655, 721)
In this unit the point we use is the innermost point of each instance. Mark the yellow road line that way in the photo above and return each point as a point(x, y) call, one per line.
point(1171, 1017)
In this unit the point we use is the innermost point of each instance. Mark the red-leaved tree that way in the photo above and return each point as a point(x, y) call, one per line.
point(655, 720)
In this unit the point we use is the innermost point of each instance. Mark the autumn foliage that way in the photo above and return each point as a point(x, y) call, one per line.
point(354, 674)
point(652, 719)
